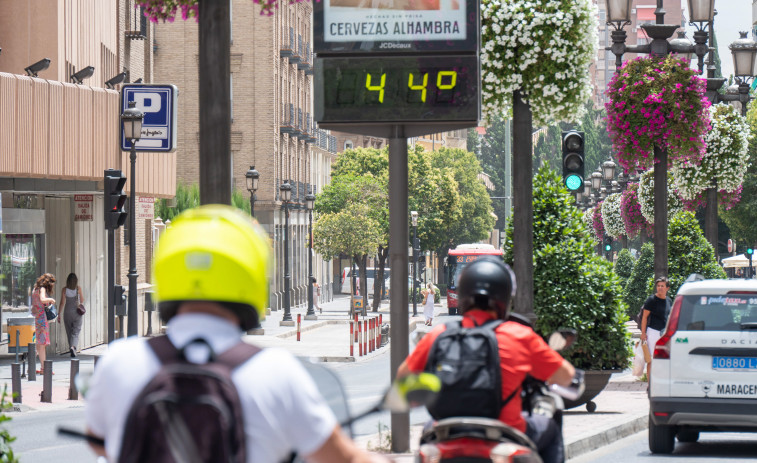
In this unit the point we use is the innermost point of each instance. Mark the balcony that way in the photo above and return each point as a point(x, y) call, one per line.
point(288, 124)
point(296, 48)
point(306, 61)
point(287, 49)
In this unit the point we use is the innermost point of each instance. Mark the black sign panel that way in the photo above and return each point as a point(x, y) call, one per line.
point(395, 26)
point(397, 89)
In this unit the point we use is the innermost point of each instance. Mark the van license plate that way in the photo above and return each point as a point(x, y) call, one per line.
point(734, 363)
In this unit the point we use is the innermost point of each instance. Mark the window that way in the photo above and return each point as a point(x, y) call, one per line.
point(348, 144)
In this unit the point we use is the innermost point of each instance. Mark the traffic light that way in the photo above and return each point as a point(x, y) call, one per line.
point(416, 248)
point(608, 243)
point(573, 159)
point(750, 269)
point(119, 299)
point(115, 215)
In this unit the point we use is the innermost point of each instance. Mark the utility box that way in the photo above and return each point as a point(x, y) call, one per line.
point(20, 334)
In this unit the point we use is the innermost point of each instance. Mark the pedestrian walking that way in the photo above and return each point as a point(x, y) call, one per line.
point(72, 307)
point(316, 295)
point(41, 292)
point(428, 303)
point(211, 286)
point(655, 315)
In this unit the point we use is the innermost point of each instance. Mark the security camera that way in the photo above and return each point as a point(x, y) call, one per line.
point(111, 83)
point(82, 74)
point(37, 67)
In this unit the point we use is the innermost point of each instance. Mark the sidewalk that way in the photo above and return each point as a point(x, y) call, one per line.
point(622, 407)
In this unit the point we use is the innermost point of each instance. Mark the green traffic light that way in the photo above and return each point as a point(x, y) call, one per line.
point(574, 182)
point(608, 247)
point(750, 251)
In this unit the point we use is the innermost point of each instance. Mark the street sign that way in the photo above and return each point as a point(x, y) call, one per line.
point(83, 208)
point(731, 247)
point(158, 104)
point(145, 207)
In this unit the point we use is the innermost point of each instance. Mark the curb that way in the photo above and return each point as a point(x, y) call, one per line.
point(606, 437)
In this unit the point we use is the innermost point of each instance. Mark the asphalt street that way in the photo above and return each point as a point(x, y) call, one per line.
point(37, 437)
point(712, 447)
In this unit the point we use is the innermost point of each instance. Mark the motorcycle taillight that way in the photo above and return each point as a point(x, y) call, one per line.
point(429, 453)
point(509, 452)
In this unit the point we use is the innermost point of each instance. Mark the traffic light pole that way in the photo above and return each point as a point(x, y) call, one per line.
point(111, 284)
point(132, 329)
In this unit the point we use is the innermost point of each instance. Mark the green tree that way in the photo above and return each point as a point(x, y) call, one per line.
point(573, 287)
point(624, 266)
point(638, 284)
point(187, 197)
point(689, 252)
point(492, 156)
point(6, 452)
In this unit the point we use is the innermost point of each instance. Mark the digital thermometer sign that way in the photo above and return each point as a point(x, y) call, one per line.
point(397, 89)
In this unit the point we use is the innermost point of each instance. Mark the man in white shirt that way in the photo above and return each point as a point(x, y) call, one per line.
point(211, 282)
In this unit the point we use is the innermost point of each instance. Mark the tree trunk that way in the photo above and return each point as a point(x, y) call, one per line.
point(378, 282)
point(362, 264)
point(660, 212)
point(523, 220)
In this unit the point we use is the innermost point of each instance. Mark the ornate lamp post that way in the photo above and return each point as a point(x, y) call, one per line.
point(285, 191)
point(414, 219)
point(131, 120)
point(252, 177)
point(701, 13)
point(309, 204)
point(744, 51)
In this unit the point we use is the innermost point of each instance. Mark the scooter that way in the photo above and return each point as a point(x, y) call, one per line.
point(474, 439)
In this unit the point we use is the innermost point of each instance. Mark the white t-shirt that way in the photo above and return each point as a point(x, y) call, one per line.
point(283, 409)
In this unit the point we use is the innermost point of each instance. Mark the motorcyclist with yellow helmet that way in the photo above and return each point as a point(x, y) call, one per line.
point(211, 272)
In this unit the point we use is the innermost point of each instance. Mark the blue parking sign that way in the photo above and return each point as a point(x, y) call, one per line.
point(158, 104)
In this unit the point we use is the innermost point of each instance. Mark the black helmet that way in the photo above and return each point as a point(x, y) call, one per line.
point(488, 284)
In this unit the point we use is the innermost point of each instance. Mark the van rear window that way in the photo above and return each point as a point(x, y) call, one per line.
point(731, 312)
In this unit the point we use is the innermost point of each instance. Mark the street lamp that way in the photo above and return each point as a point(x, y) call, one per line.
point(285, 191)
point(701, 13)
point(252, 177)
point(596, 180)
point(131, 121)
point(414, 220)
point(309, 204)
point(587, 188)
point(608, 170)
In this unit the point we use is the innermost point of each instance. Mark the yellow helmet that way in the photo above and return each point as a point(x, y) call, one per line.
point(214, 253)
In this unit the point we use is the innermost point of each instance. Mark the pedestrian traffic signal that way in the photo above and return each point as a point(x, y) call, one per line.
point(119, 299)
point(608, 244)
point(113, 188)
point(573, 159)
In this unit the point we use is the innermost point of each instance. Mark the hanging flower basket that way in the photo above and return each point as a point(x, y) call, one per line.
point(597, 223)
point(646, 197)
point(611, 218)
point(660, 101)
point(630, 211)
point(588, 218)
point(725, 161)
point(542, 48)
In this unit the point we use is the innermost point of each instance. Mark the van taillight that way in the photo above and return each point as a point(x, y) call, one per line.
point(662, 348)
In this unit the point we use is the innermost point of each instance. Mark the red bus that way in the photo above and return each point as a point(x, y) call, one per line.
point(456, 260)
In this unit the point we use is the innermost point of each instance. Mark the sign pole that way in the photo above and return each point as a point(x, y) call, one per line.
point(132, 325)
point(398, 235)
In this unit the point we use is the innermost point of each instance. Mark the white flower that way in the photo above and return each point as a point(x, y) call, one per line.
point(611, 217)
point(646, 196)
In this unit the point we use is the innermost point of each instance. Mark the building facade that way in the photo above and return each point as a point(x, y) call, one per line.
point(56, 139)
point(272, 124)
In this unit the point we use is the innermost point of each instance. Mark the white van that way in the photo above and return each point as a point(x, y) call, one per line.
point(370, 273)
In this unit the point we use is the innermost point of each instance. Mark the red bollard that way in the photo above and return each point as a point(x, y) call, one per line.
point(365, 336)
point(356, 325)
point(370, 335)
point(379, 330)
point(373, 334)
point(299, 316)
point(352, 337)
point(360, 338)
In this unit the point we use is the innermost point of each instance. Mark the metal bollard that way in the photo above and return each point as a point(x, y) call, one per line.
point(365, 336)
point(356, 324)
point(47, 382)
point(73, 393)
point(31, 357)
point(16, 382)
point(373, 324)
point(299, 319)
point(18, 345)
point(359, 336)
point(352, 339)
point(381, 324)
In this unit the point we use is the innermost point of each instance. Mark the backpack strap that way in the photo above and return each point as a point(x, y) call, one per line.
point(232, 358)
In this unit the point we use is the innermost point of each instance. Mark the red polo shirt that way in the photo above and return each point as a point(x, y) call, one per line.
point(521, 352)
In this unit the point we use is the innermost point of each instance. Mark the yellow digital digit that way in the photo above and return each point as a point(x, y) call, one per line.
point(441, 75)
point(376, 88)
point(421, 87)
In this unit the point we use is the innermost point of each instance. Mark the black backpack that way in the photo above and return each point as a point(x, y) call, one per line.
point(466, 360)
point(188, 413)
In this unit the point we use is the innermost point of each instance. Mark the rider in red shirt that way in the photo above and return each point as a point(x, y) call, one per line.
point(485, 290)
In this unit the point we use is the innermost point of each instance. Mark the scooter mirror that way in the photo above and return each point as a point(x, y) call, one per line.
point(412, 391)
point(562, 339)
